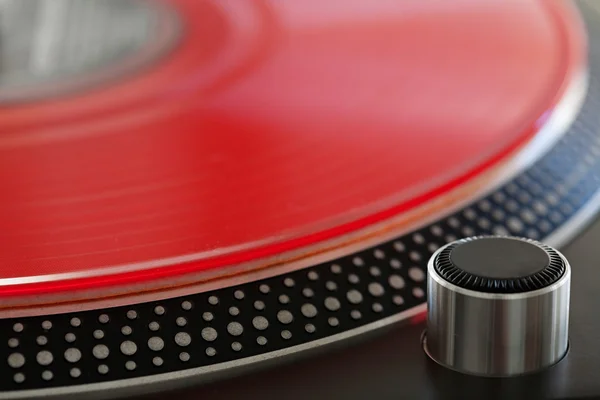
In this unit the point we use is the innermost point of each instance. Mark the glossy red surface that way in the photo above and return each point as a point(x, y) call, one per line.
point(272, 125)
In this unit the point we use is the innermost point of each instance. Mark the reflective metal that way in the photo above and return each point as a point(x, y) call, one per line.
point(494, 334)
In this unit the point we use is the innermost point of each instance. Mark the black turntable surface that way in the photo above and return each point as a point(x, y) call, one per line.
point(392, 365)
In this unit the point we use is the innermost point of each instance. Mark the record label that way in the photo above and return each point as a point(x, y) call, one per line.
point(52, 46)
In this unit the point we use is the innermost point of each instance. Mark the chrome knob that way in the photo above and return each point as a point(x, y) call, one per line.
point(497, 306)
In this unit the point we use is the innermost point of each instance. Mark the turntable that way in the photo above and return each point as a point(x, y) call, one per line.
point(194, 194)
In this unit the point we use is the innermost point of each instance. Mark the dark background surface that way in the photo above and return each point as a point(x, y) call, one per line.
point(391, 364)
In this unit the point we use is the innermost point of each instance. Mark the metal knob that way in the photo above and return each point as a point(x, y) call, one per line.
point(497, 306)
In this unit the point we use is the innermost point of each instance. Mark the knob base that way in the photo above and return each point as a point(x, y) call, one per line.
point(499, 329)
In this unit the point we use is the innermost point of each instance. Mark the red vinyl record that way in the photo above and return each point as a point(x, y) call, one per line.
point(234, 131)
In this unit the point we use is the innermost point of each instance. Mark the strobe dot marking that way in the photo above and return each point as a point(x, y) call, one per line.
point(357, 261)
point(155, 343)
point(354, 296)
point(309, 310)
point(289, 282)
point(98, 334)
point(132, 314)
point(183, 339)
point(238, 294)
point(332, 304)
point(376, 290)
point(284, 299)
point(211, 352)
point(100, 351)
point(72, 355)
point(44, 358)
point(235, 329)
point(285, 317)
point(260, 323)
point(16, 360)
point(379, 254)
point(128, 348)
point(336, 269)
point(209, 334)
point(264, 289)
point(153, 326)
point(396, 282)
point(416, 274)
point(286, 334)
